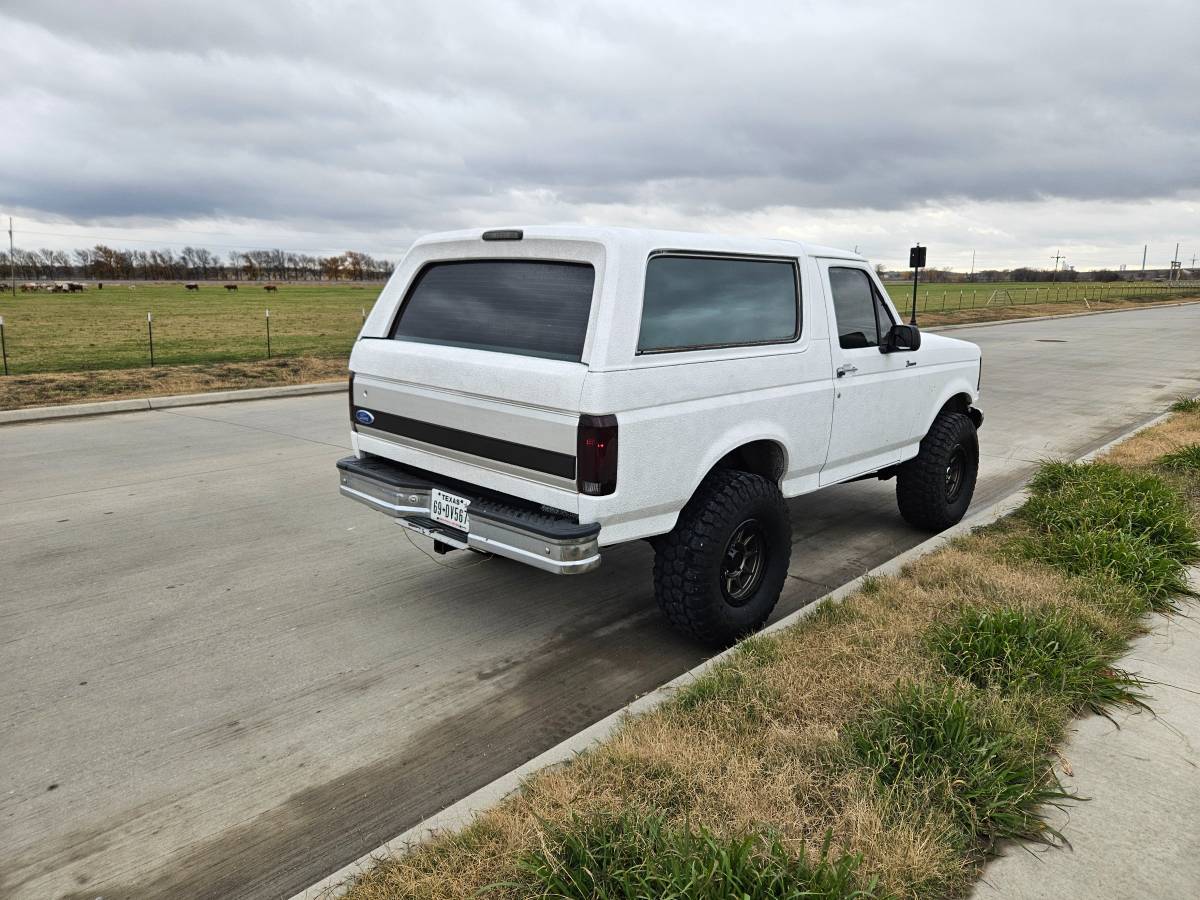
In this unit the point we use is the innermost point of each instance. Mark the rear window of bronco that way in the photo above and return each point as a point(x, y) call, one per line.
point(525, 307)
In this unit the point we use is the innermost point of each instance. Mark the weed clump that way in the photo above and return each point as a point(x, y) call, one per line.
point(946, 743)
point(1098, 519)
point(1020, 653)
point(1185, 459)
point(631, 856)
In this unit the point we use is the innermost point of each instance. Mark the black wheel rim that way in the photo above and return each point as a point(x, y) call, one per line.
point(743, 563)
point(956, 473)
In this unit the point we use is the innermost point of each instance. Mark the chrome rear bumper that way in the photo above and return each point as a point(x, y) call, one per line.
point(543, 539)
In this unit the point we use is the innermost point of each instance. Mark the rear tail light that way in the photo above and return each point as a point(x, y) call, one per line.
point(596, 455)
point(352, 428)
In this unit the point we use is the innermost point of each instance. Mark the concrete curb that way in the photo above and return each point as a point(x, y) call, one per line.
point(1075, 315)
point(460, 814)
point(106, 407)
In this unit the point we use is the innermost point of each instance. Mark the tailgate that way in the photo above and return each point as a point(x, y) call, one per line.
point(504, 422)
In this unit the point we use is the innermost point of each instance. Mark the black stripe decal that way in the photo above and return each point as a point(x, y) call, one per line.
point(522, 455)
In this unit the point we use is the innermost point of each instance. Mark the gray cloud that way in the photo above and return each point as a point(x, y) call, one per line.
point(409, 117)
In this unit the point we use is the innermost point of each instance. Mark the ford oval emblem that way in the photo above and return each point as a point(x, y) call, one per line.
point(362, 417)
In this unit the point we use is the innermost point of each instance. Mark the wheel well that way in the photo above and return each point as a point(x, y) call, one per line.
point(962, 403)
point(958, 403)
point(765, 458)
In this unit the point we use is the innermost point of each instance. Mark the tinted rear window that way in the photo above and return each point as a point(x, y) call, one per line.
point(507, 306)
point(697, 301)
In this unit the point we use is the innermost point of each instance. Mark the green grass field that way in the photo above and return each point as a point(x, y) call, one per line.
point(106, 329)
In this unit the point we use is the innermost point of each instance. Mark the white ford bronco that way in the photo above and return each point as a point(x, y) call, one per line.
point(542, 393)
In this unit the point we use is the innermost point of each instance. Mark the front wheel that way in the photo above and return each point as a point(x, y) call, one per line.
point(934, 488)
point(718, 574)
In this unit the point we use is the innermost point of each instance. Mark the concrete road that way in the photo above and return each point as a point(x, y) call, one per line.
point(218, 678)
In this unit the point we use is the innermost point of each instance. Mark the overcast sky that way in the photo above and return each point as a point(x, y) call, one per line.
point(1012, 129)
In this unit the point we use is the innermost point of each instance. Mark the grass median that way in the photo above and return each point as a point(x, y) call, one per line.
point(882, 746)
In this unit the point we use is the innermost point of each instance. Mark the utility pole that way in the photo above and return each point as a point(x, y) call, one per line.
point(1144, 248)
point(1056, 257)
point(1175, 263)
point(12, 259)
point(971, 277)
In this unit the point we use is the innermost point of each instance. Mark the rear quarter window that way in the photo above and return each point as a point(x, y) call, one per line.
point(524, 307)
point(693, 302)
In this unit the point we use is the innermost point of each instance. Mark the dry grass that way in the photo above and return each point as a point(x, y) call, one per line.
point(762, 745)
point(1144, 449)
point(49, 389)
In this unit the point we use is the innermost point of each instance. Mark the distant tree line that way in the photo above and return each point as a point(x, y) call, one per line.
point(101, 263)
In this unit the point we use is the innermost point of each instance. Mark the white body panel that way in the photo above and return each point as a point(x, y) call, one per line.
point(678, 413)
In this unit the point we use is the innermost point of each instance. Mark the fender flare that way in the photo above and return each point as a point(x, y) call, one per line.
point(959, 393)
point(734, 440)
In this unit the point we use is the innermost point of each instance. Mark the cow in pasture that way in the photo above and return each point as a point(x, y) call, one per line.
point(74, 287)
point(231, 287)
point(191, 286)
point(271, 288)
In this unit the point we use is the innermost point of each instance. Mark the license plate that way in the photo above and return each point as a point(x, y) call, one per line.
point(449, 510)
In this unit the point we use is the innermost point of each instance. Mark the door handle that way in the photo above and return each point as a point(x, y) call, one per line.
point(846, 369)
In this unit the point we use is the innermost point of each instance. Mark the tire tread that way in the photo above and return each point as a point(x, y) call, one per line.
point(683, 556)
point(920, 483)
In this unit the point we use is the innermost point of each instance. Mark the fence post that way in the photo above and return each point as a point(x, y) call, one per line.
point(3, 346)
point(268, 317)
point(150, 331)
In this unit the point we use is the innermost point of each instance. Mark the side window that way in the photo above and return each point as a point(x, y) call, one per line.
point(862, 316)
point(711, 301)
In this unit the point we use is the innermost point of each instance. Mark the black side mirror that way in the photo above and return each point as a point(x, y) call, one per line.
point(901, 338)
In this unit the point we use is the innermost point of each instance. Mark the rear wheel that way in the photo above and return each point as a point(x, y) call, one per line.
point(718, 574)
point(934, 488)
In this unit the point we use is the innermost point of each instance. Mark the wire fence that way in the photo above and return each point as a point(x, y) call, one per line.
point(935, 298)
point(76, 333)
